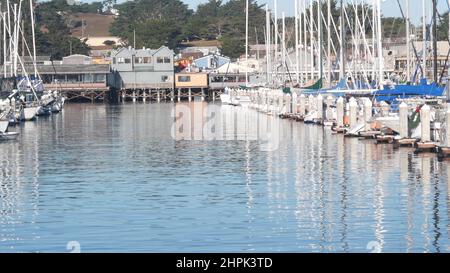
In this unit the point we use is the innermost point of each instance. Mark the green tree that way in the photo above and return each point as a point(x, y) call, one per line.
point(232, 46)
point(442, 27)
point(163, 19)
point(51, 32)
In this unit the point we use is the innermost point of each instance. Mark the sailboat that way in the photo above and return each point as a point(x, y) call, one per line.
point(28, 95)
point(380, 91)
point(5, 111)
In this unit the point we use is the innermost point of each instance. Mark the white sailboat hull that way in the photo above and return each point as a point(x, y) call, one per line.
point(29, 113)
point(4, 125)
point(8, 136)
point(225, 98)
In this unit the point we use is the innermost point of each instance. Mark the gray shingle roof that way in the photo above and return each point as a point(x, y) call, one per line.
point(69, 69)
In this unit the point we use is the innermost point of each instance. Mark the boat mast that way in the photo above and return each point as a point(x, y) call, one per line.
point(319, 37)
point(311, 37)
point(435, 68)
point(1, 31)
point(374, 37)
point(424, 37)
point(305, 41)
point(34, 37)
point(275, 3)
point(342, 42)
point(246, 44)
point(297, 53)
point(329, 41)
point(14, 51)
point(4, 45)
point(380, 47)
point(19, 19)
point(268, 44)
point(8, 11)
point(408, 44)
point(283, 50)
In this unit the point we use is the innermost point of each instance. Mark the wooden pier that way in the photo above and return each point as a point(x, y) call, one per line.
point(354, 117)
point(166, 95)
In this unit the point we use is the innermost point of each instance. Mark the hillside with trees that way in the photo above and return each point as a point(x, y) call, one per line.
point(153, 23)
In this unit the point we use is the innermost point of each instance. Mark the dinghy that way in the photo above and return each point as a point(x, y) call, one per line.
point(8, 135)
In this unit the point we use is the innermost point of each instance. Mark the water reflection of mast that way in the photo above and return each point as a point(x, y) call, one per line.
point(248, 185)
point(321, 195)
point(436, 217)
point(343, 201)
point(404, 170)
point(10, 190)
point(425, 174)
point(379, 206)
point(448, 202)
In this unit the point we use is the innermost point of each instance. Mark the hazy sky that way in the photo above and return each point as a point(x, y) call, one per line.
point(389, 7)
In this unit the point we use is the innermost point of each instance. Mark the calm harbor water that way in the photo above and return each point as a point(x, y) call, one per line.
point(112, 179)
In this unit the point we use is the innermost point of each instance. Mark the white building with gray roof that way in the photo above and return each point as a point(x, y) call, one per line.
point(142, 69)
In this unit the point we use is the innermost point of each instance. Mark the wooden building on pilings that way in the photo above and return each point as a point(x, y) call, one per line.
point(75, 77)
point(142, 74)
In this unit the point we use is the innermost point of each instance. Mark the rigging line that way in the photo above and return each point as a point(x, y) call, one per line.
point(419, 63)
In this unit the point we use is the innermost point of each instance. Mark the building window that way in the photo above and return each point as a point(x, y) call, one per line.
point(114, 60)
point(184, 78)
point(166, 60)
point(165, 78)
point(147, 60)
point(99, 78)
point(138, 60)
point(87, 78)
point(120, 60)
point(127, 60)
point(73, 78)
point(60, 78)
point(160, 60)
point(47, 78)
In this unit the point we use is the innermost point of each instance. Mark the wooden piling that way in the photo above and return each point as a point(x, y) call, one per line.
point(329, 114)
point(340, 112)
point(294, 103)
point(302, 107)
point(319, 107)
point(353, 105)
point(367, 114)
point(425, 123)
point(403, 114)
